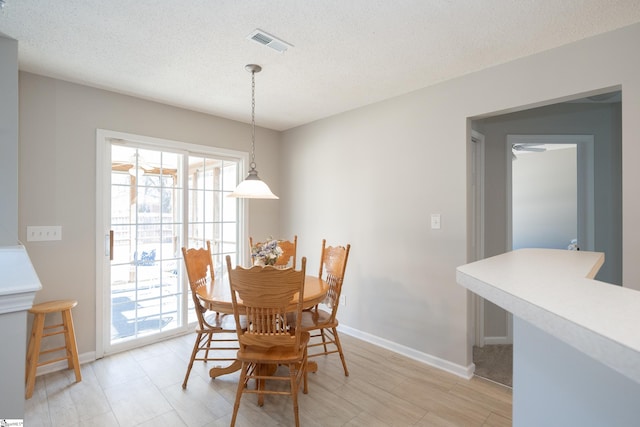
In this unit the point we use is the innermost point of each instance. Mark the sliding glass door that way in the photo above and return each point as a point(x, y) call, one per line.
point(147, 228)
point(160, 198)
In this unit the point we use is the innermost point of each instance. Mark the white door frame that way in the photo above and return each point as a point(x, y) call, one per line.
point(477, 147)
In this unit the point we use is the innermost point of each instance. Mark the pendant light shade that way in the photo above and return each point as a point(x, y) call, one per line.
point(253, 187)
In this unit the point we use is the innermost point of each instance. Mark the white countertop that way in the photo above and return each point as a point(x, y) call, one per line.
point(18, 279)
point(553, 290)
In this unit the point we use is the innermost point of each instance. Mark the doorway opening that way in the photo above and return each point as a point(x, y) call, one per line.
point(596, 116)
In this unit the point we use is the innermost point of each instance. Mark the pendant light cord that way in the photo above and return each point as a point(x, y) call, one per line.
point(252, 165)
point(253, 187)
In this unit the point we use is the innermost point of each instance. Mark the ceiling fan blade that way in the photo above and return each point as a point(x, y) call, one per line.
point(532, 148)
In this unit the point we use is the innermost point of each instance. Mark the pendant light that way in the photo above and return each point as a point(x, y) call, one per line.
point(253, 187)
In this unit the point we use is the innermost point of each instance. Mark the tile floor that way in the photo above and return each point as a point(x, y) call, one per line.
point(142, 387)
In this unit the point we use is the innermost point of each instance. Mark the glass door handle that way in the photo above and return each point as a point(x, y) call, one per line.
point(108, 245)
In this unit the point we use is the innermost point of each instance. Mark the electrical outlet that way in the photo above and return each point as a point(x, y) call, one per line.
point(343, 300)
point(44, 233)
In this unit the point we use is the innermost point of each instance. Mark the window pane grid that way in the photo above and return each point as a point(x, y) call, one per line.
point(146, 220)
point(209, 181)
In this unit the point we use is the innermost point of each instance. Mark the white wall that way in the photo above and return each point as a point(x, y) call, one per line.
point(58, 122)
point(372, 176)
point(545, 199)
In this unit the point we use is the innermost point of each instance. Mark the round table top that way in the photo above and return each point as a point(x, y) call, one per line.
point(216, 296)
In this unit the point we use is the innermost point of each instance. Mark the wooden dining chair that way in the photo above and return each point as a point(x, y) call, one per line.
point(265, 295)
point(323, 324)
point(216, 333)
point(289, 252)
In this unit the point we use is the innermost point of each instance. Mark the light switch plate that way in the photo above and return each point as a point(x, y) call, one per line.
point(44, 233)
point(435, 221)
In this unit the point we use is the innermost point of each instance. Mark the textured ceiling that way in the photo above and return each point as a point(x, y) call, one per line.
point(346, 54)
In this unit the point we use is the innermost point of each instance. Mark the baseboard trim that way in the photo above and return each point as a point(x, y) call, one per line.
point(465, 372)
point(497, 341)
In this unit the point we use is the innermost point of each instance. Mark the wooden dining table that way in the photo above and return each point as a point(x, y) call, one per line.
point(216, 296)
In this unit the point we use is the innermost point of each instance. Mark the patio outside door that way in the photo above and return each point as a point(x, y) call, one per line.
point(154, 200)
point(146, 234)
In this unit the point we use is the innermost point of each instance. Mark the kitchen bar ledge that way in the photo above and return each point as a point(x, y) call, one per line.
point(576, 345)
point(554, 291)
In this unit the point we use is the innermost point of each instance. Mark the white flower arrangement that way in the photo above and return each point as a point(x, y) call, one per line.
point(266, 253)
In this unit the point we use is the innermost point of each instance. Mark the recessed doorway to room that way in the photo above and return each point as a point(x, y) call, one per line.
point(598, 116)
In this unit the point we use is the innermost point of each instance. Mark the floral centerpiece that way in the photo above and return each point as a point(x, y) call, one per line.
point(266, 253)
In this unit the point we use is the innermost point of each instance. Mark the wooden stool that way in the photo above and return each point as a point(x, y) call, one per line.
point(38, 332)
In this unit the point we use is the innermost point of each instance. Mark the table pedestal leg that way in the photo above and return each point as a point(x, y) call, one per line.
point(218, 370)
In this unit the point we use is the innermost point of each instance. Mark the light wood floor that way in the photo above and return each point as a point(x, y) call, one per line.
point(142, 387)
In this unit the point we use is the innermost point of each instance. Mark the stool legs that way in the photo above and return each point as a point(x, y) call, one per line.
point(33, 352)
point(70, 342)
point(34, 349)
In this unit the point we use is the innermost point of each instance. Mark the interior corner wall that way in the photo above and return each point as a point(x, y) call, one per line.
point(373, 176)
point(57, 176)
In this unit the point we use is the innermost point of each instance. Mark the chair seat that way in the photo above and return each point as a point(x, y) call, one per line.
point(224, 321)
point(314, 319)
point(274, 354)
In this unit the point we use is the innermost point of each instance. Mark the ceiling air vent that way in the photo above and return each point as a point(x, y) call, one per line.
point(268, 40)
